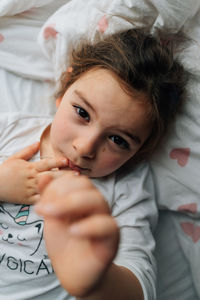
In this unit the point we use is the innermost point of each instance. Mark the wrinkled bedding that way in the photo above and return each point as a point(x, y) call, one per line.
point(36, 37)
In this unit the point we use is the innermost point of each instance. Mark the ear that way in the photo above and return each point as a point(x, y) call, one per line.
point(58, 101)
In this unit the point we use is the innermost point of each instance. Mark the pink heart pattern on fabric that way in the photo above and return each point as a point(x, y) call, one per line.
point(50, 32)
point(103, 24)
point(191, 207)
point(191, 230)
point(181, 155)
point(1, 38)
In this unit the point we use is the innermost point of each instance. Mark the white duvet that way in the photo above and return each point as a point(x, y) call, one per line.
point(35, 39)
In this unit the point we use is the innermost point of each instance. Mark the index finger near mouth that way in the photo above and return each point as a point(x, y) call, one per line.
point(47, 164)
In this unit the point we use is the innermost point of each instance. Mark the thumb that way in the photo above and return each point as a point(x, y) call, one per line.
point(27, 152)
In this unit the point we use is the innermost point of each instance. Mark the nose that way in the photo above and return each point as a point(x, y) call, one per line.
point(86, 146)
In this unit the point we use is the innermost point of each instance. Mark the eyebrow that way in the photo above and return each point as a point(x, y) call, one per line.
point(82, 97)
point(135, 138)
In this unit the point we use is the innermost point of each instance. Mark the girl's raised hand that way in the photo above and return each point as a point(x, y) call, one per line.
point(80, 235)
point(19, 177)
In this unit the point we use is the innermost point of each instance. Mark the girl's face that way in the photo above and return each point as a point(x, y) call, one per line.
point(98, 127)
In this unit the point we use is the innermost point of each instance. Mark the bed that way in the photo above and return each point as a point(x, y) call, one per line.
point(35, 39)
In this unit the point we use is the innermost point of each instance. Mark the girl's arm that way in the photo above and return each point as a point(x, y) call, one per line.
point(82, 240)
point(118, 283)
point(18, 177)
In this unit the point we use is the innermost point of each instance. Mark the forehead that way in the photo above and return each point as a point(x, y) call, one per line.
point(105, 94)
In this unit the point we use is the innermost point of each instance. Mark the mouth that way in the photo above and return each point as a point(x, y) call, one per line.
point(74, 167)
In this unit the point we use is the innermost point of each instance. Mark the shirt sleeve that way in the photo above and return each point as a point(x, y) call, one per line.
point(136, 214)
point(130, 195)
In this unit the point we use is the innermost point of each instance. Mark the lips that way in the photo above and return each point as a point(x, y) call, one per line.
point(75, 167)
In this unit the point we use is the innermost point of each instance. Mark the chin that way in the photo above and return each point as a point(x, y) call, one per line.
point(97, 175)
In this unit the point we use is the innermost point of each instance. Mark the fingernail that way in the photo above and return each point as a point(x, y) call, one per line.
point(65, 161)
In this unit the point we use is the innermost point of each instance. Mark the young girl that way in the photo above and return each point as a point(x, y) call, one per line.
point(115, 103)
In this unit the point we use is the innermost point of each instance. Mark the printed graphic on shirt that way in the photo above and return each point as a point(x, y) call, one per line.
point(23, 238)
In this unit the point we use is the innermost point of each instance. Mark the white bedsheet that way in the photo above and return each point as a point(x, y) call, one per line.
point(35, 39)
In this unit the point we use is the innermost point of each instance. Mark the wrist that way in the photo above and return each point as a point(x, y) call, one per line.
point(118, 283)
point(97, 290)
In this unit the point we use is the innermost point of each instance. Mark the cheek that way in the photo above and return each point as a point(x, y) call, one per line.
point(59, 131)
point(111, 162)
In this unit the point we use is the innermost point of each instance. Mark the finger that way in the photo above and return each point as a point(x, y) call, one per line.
point(43, 181)
point(27, 152)
point(58, 173)
point(34, 199)
point(95, 226)
point(103, 232)
point(73, 204)
point(71, 181)
point(45, 177)
point(50, 163)
point(53, 173)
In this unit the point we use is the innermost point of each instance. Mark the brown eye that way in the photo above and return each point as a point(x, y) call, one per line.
point(82, 113)
point(119, 141)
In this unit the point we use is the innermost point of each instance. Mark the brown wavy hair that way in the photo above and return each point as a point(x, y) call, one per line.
point(142, 62)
